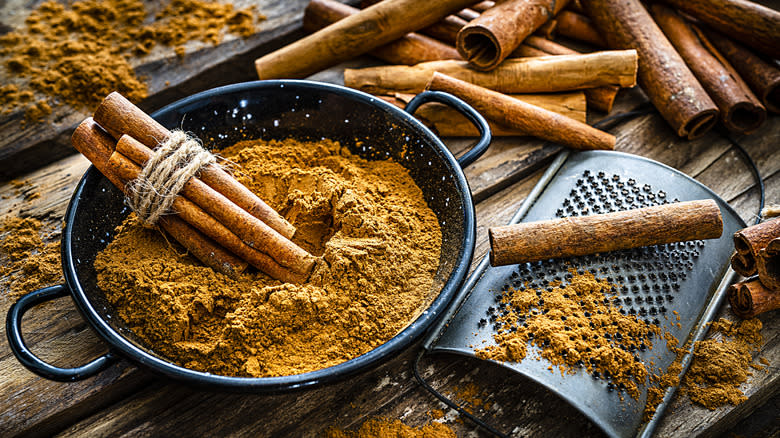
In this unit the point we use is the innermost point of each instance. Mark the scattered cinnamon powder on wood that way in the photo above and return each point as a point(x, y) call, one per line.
point(380, 247)
point(575, 325)
point(27, 260)
point(79, 53)
point(385, 428)
point(720, 366)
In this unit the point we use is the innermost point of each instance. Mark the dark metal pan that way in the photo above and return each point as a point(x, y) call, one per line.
point(269, 110)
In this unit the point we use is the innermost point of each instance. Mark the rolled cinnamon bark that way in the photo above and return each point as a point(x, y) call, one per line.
point(740, 110)
point(467, 14)
point(516, 76)
point(446, 30)
point(410, 49)
point(354, 35)
point(600, 98)
point(97, 146)
point(483, 6)
point(663, 75)
point(490, 38)
point(768, 265)
point(579, 27)
point(762, 77)
point(757, 26)
point(748, 243)
point(288, 266)
point(251, 230)
point(576, 236)
point(447, 122)
point(531, 119)
point(119, 116)
point(750, 298)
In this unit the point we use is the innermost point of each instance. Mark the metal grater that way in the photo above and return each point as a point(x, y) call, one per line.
point(689, 278)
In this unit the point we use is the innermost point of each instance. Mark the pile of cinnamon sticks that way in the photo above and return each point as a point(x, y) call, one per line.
point(757, 256)
point(497, 56)
point(217, 219)
point(691, 72)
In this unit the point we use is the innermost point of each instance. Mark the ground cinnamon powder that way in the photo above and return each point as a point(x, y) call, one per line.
point(720, 366)
point(575, 325)
point(380, 246)
point(79, 53)
point(29, 255)
point(384, 428)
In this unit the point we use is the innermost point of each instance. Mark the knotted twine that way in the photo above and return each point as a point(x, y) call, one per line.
point(173, 163)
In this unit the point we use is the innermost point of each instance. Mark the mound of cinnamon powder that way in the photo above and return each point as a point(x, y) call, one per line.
point(720, 366)
point(29, 255)
point(380, 247)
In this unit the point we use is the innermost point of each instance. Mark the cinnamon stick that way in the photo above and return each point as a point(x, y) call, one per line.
point(663, 75)
point(354, 35)
point(447, 122)
point(578, 27)
point(740, 110)
point(757, 26)
point(446, 30)
point(490, 38)
point(483, 6)
point(600, 98)
point(467, 14)
point(750, 298)
point(410, 49)
point(531, 119)
point(252, 231)
point(748, 242)
point(97, 145)
point(516, 76)
point(768, 265)
point(119, 116)
point(576, 236)
point(763, 77)
point(286, 264)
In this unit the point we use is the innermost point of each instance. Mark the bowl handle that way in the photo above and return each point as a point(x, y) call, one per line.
point(474, 117)
point(13, 328)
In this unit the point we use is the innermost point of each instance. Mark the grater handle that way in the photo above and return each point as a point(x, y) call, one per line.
point(462, 107)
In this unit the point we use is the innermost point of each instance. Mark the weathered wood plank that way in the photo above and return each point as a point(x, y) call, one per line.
point(27, 146)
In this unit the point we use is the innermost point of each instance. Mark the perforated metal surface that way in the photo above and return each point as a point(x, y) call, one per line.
point(651, 282)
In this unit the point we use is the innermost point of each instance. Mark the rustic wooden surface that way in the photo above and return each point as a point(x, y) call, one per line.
point(125, 400)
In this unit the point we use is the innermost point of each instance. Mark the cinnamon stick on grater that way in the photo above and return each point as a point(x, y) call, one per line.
point(576, 236)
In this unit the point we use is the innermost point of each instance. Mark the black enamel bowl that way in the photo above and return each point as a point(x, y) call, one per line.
point(269, 110)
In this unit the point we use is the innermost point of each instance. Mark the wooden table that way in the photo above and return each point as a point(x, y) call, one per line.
point(125, 400)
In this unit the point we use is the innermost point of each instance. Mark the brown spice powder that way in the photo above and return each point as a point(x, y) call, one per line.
point(380, 246)
point(29, 262)
point(574, 325)
point(384, 428)
point(720, 366)
point(78, 54)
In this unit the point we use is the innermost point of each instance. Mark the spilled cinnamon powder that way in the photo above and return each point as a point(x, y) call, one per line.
point(80, 52)
point(29, 256)
point(380, 247)
point(384, 428)
point(575, 325)
point(720, 366)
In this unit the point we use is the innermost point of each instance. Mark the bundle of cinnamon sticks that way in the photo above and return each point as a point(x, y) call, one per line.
point(693, 74)
point(757, 256)
point(216, 218)
point(495, 47)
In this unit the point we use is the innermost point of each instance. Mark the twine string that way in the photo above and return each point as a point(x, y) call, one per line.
point(173, 163)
